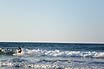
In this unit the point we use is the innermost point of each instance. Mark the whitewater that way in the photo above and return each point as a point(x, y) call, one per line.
point(51, 56)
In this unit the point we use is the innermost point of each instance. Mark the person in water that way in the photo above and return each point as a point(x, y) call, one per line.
point(19, 50)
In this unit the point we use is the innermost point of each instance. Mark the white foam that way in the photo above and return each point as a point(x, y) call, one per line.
point(59, 53)
point(19, 54)
point(55, 53)
point(99, 54)
point(49, 66)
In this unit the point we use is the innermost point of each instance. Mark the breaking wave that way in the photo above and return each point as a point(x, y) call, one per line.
point(54, 53)
point(48, 64)
point(19, 62)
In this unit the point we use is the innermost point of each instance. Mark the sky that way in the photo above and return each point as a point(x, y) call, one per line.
point(52, 20)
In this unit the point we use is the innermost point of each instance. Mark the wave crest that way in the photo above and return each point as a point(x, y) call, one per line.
point(55, 53)
point(58, 53)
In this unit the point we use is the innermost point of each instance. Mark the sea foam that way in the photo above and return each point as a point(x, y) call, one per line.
point(55, 53)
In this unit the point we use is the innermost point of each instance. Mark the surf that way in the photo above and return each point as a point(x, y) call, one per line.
point(53, 53)
point(19, 53)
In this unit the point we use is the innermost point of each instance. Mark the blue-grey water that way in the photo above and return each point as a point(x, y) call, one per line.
point(51, 55)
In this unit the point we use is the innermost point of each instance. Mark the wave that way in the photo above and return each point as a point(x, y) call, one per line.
point(54, 53)
point(48, 64)
point(58, 53)
point(18, 62)
point(6, 51)
point(40, 64)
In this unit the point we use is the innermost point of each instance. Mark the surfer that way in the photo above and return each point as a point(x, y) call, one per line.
point(19, 50)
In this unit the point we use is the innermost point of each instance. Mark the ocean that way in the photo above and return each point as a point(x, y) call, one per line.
point(51, 55)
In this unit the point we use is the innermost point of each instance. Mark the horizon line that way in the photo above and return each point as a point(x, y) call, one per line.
point(56, 42)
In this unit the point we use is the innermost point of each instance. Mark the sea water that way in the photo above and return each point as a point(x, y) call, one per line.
point(51, 55)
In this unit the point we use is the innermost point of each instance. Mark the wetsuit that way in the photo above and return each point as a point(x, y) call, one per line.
point(19, 50)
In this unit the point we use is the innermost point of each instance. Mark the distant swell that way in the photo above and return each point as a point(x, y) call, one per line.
point(55, 53)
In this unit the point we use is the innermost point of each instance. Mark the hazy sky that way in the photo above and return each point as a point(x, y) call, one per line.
point(52, 20)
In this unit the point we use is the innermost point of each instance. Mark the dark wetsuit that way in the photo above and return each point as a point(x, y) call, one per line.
point(19, 50)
